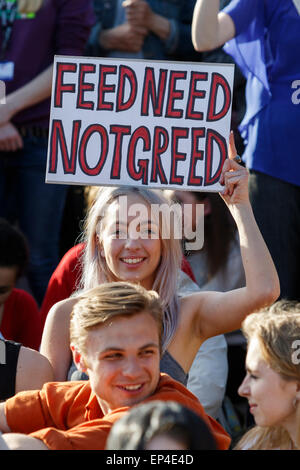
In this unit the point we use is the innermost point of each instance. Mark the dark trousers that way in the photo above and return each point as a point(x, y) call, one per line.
point(276, 206)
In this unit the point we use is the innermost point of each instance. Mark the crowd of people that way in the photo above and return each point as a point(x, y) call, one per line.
point(114, 341)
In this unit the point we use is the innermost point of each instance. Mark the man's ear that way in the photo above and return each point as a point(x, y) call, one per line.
point(78, 359)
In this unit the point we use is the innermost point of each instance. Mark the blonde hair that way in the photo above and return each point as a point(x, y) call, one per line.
point(90, 195)
point(94, 268)
point(29, 6)
point(277, 329)
point(115, 299)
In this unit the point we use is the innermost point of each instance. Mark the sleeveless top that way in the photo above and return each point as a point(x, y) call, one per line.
point(167, 364)
point(9, 354)
point(171, 367)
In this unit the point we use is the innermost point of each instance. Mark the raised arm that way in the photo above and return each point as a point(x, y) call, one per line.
point(217, 312)
point(210, 28)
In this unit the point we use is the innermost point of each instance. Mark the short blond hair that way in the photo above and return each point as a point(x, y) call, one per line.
point(110, 300)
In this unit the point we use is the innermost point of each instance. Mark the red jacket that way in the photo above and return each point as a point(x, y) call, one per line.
point(21, 320)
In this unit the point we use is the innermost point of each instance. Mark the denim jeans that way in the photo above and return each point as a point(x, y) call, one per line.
point(276, 206)
point(35, 206)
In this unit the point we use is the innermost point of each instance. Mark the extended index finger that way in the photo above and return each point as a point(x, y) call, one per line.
point(232, 152)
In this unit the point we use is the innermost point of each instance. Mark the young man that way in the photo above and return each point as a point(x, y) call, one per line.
point(116, 332)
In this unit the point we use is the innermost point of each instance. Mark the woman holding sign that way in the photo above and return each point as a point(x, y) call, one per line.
point(114, 252)
point(264, 40)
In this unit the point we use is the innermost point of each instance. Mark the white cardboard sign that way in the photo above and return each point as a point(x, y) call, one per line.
point(134, 122)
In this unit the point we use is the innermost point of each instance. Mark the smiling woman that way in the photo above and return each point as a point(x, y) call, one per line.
point(272, 382)
point(155, 264)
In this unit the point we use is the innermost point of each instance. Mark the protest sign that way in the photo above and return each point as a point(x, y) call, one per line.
point(157, 124)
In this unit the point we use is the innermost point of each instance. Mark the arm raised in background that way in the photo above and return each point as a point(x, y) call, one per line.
point(220, 312)
point(210, 28)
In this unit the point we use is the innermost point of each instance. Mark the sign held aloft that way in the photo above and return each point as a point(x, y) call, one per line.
point(158, 124)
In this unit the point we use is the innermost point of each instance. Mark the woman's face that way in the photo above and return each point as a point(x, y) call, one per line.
point(270, 397)
point(130, 241)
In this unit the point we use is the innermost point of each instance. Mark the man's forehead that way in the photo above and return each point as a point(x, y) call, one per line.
point(125, 330)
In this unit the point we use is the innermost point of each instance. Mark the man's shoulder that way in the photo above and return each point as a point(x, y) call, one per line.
point(169, 388)
point(69, 388)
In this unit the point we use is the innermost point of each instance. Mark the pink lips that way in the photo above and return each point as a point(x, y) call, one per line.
point(252, 406)
point(132, 389)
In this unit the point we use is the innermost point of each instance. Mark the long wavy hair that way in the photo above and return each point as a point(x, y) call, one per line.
point(277, 329)
point(94, 267)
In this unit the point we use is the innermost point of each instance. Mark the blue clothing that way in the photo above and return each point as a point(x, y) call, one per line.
point(266, 48)
point(177, 46)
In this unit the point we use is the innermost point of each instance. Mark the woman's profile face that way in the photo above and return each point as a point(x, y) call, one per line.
point(130, 241)
point(270, 397)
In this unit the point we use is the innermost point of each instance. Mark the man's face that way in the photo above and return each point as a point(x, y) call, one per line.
point(123, 360)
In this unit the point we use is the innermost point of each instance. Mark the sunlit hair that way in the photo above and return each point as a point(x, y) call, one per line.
point(277, 329)
point(29, 6)
point(97, 306)
point(94, 267)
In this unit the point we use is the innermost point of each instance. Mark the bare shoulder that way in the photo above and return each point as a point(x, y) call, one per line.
point(33, 370)
point(61, 311)
point(56, 329)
